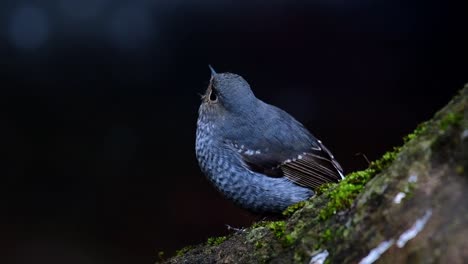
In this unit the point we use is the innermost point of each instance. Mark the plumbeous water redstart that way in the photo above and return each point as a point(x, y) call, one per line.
point(256, 154)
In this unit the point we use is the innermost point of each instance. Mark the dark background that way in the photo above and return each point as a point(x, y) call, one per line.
point(99, 103)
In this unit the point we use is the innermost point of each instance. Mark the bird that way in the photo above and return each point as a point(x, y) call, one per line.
point(256, 154)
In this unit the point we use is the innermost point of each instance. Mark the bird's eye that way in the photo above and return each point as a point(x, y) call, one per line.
point(213, 96)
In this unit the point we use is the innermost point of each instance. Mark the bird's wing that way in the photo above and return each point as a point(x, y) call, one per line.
point(310, 167)
point(289, 150)
point(313, 168)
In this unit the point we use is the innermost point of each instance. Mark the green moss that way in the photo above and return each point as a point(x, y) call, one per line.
point(278, 228)
point(260, 224)
point(450, 119)
point(288, 240)
point(385, 161)
point(259, 244)
point(421, 128)
point(293, 208)
point(298, 258)
point(326, 236)
point(214, 241)
point(279, 231)
point(324, 188)
point(409, 190)
point(344, 193)
point(183, 250)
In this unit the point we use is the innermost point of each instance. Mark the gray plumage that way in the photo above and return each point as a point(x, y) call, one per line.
point(256, 154)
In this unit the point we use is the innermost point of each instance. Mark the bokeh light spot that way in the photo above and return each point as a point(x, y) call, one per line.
point(82, 9)
point(131, 27)
point(28, 27)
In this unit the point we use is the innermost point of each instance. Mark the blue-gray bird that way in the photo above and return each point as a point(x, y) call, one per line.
point(256, 154)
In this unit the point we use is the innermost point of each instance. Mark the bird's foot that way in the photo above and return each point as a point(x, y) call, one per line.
point(237, 230)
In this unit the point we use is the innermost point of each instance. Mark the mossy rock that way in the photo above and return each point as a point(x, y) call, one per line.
point(410, 206)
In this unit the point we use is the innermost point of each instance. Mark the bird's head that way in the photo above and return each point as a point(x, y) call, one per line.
point(228, 92)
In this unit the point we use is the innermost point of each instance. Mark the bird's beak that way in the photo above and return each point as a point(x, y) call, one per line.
point(213, 72)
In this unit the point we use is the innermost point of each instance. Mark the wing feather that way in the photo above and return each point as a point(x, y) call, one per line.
point(309, 169)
